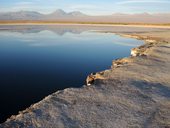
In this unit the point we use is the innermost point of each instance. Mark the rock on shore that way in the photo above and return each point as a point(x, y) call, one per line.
point(134, 93)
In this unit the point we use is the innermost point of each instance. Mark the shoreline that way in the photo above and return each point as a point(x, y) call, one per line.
point(89, 24)
point(118, 85)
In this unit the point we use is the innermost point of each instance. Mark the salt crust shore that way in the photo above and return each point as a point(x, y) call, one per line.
point(134, 93)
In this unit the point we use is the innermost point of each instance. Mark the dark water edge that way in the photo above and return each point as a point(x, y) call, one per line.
point(39, 60)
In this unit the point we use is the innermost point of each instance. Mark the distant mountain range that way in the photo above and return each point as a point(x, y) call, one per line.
point(62, 16)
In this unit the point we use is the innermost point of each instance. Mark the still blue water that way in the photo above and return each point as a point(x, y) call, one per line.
point(34, 64)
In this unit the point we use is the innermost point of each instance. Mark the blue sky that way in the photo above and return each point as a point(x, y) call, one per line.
point(92, 7)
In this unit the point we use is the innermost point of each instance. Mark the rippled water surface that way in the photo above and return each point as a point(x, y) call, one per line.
point(37, 61)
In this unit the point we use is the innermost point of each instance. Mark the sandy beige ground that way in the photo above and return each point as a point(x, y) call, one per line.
point(134, 93)
point(90, 24)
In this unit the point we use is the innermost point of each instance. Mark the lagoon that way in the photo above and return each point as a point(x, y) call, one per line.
point(36, 61)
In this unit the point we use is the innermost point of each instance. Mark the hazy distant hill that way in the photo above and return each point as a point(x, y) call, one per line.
point(21, 15)
point(60, 15)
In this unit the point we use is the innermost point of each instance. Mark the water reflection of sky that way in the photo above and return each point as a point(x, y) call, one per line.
point(49, 38)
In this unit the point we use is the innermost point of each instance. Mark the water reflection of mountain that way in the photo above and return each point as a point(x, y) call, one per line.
point(59, 30)
point(75, 29)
